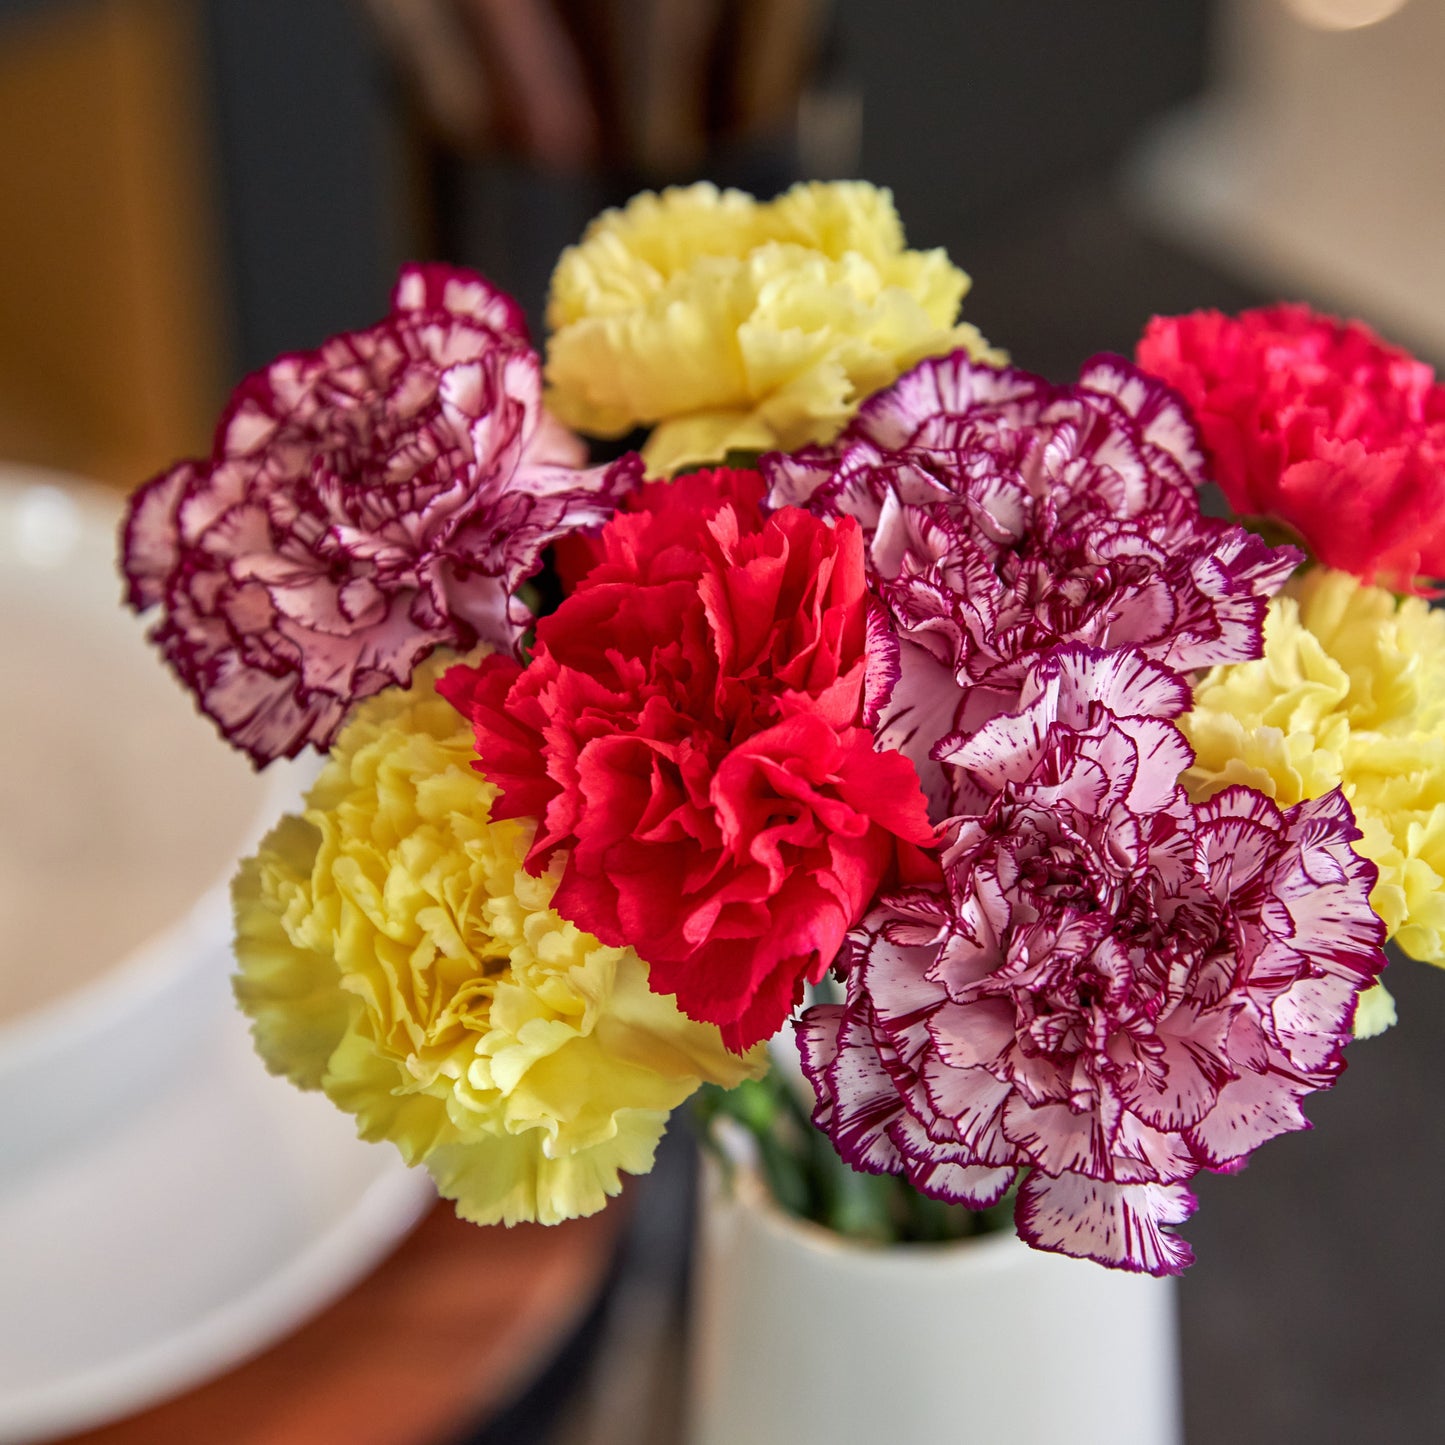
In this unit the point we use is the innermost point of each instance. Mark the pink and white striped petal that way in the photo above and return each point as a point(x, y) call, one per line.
point(1127, 1226)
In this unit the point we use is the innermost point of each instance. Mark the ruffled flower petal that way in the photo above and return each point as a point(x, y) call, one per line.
point(1350, 694)
point(1112, 986)
point(395, 953)
point(1006, 516)
point(728, 324)
point(1319, 424)
point(1129, 1226)
point(690, 729)
point(363, 504)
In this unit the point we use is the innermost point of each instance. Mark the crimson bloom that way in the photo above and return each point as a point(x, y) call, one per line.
point(1006, 515)
point(1319, 424)
point(693, 730)
point(363, 504)
point(1112, 988)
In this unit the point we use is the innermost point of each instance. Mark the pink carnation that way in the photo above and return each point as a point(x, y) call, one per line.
point(1005, 516)
point(363, 504)
point(1321, 425)
point(1112, 989)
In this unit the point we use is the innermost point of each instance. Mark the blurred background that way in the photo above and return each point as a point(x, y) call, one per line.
point(189, 187)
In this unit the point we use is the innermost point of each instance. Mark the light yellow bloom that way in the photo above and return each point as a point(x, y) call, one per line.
point(1350, 692)
point(732, 324)
point(395, 953)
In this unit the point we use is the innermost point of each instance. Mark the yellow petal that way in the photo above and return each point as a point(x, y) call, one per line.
point(395, 952)
point(725, 323)
point(1350, 692)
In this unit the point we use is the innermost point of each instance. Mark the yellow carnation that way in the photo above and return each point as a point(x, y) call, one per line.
point(395, 953)
point(1350, 692)
point(730, 324)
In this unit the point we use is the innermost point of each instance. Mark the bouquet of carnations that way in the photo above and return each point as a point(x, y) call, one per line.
point(889, 695)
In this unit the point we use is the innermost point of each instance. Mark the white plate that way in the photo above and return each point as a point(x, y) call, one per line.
point(122, 815)
point(206, 1226)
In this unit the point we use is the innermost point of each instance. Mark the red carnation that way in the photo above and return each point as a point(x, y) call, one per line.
point(1321, 425)
point(694, 729)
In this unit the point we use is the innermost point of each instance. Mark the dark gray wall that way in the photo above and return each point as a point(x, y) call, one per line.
point(302, 125)
point(971, 108)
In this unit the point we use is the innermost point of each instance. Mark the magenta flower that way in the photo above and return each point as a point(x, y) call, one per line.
point(363, 504)
point(1112, 989)
point(1005, 516)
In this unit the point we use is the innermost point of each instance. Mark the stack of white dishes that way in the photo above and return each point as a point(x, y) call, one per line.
point(166, 1207)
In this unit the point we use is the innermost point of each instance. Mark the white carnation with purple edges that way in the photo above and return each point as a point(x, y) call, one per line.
point(364, 504)
point(1006, 515)
point(1111, 989)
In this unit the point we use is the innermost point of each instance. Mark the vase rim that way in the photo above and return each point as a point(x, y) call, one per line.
point(750, 1191)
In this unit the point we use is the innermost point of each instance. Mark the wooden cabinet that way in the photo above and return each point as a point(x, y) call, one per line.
point(110, 327)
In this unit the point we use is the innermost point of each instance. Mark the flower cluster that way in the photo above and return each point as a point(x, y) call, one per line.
point(692, 729)
point(363, 504)
point(395, 952)
point(1113, 989)
point(958, 698)
point(1111, 986)
point(1005, 516)
point(726, 324)
point(1320, 425)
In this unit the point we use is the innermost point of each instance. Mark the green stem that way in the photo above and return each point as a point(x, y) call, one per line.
point(806, 1177)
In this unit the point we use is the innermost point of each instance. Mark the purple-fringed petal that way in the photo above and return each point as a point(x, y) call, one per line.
point(149, 541)
point(1006, 517)
point(973, 1101)
point(918, 712)
point(1128, 1226)
point(364, 504)
point(974, 1186)
point(1187, 1073)
point(1328, 899)
point(945, 1170)
point(816, 1034)
point(1166, 429)
point(857, 1102)
point(972, 1036)
point(1252, 1109)
point(884, 667)
point(1124, 682)
point(794, 479)
point(434, 286)
point(1113, 986)
point(1058, 1138)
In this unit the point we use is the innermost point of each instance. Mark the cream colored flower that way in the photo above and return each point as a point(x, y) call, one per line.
point(395, 953)
point(731, 324)
point(1350, 691)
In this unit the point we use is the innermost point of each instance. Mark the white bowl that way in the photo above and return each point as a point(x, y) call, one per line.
point(122, 817)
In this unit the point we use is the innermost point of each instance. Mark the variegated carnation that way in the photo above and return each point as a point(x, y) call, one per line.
point(363, 504)
point(396, 953)
point(1113, 989)
point(730, 324)
point(1005, 516)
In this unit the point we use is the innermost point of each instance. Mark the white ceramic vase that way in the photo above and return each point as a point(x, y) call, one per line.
point(802, 1338)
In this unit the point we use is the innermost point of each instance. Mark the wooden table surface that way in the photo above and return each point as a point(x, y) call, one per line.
point(445, 1332)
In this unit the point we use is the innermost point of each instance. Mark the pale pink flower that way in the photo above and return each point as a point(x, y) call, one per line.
point(1112, 989)
point(363, 504)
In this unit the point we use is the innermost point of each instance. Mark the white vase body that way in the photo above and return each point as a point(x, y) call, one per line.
point(801, 1338)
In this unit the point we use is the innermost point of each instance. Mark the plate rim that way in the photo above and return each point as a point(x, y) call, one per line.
point(340, 1253)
